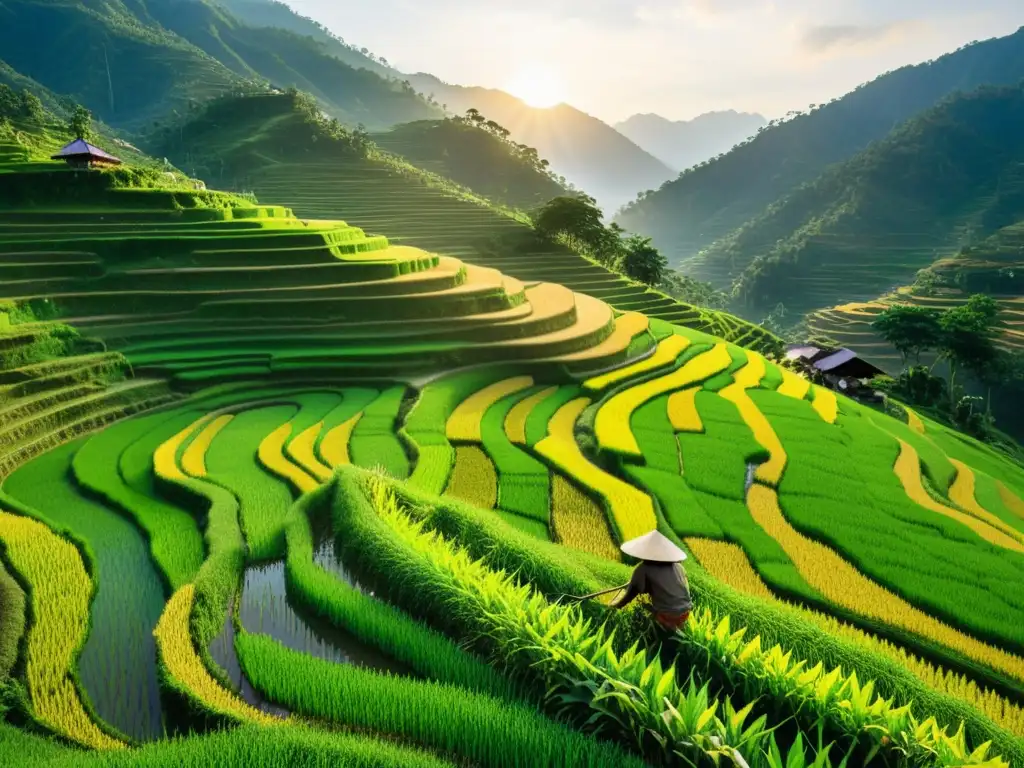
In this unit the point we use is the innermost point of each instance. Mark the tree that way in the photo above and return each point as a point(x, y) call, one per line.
point(968, 339)
point(31, 106)
point(641, 261)
point(80, 123)
point(577, 221)
point(911, 330)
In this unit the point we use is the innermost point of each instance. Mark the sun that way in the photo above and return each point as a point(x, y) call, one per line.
point(538, 87)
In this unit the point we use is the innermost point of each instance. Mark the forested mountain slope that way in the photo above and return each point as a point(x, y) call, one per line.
point(867, 225)
point(271, 13)
point(589, 153)
point(683, 143)
point(709, 202)
point(476, 157)
point(136, 62)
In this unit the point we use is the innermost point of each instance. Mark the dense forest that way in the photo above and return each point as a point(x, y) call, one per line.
point(711, 200)
point(146, 60)
point(955, 172)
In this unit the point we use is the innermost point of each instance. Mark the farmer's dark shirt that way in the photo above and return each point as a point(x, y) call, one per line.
point(666, 583)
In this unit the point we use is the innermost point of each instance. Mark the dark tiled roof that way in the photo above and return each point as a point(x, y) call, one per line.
point(82, 148)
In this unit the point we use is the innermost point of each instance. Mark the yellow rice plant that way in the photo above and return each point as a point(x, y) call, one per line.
point(165, 458)
point(60, 593)
point(826, 404)
point(682, 411)
point(611, 426)
point(464, 423)
point(840, 583)
point(632, 510)
point(185, 668)
point(578, 521)
point(515, 421)
point(271, 456)
point(729, 564)
point(989, 527)
point(747, 377)
point(302, 450)
point(962, 494)
point(1012, 502)
point(473, 479)
point(193, 460)
point(334, 446)
point(914, 421)
point(793, 385)
point(665, 353)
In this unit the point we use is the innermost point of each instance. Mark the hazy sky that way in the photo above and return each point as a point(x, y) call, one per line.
point(679, 58)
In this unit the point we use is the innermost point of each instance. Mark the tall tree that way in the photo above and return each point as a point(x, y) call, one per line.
point(80, 123)
point(968, 338)
point(643, 262)
point(576, 219)
point(911, 330)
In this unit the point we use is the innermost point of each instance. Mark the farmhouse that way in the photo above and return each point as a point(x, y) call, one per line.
point(839, 369)
point(81, 154)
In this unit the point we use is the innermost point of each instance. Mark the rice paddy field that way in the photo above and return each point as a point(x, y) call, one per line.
point(296, 494)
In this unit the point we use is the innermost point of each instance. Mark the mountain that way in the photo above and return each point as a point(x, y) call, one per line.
point(271, 13)
point(683, 143)
point(150, 59)
point(588, 152)
point(475, 157)
point(862, 228)
point(709, 202)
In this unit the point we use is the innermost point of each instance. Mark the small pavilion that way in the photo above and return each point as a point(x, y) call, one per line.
point(81, 154)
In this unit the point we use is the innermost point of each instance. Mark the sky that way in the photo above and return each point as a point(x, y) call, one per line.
point(677, 58)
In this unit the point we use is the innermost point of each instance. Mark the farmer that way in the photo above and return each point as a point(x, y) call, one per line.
point(660, 575)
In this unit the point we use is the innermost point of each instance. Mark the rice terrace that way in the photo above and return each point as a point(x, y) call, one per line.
point(319, 448)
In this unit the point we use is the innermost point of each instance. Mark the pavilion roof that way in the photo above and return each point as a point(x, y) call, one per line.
point(82, 148)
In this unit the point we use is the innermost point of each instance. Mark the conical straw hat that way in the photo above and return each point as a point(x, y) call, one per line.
point(653, 546)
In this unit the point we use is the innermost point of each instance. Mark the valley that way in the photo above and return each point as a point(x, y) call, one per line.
point(332, 417)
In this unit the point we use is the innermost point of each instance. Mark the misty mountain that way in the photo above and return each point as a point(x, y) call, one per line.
point(683, 143)
point(710, 202)
point(591, 154)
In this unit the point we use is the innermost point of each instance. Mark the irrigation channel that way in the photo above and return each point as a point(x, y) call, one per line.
point(265, 608)
point(117, 666)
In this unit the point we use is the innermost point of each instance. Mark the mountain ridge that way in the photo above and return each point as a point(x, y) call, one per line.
point(684, 143)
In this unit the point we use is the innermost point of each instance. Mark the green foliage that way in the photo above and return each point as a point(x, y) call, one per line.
point(686, 289)
point(297, 746)
point(446, 718)
point(576, 221)
point(910, 329)
point(373, 621)
point(478, 156)
point(641, 261)
point(12, 625)
point(80, 124)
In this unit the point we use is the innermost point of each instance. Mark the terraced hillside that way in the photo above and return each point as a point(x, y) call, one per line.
point(570, 469)
point(360, 480)
point(262, 144)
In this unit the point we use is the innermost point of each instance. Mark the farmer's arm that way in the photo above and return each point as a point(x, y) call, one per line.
point(637, 586)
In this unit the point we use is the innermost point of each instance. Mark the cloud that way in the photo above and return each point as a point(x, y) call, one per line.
point(827, 37)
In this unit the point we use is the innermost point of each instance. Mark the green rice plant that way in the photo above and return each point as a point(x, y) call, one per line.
point(620, 696)
point(174, 537)
point(116, 665)
point(373, 621)
point(446, 718)
point(12, 622)
point(537, 421)
point(523, 482)
point(263, 500)
point(301, 747)
point(558, 571)
point(374, 441)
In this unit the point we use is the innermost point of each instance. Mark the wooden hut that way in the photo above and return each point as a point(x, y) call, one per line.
point(81, 154)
